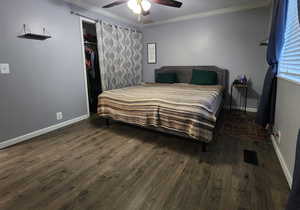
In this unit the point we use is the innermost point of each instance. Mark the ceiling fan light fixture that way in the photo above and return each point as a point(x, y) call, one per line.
point(137, 10)
point(146, 5)
point(134, 6)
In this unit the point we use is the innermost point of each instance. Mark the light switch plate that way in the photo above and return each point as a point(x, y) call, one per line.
point(4, 68)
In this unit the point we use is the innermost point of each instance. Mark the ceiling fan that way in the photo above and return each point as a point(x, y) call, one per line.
point(142, 7)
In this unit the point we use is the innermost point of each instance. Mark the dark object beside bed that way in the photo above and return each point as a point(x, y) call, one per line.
point(184, 74)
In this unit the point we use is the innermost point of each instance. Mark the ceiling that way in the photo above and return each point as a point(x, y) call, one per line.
point(161, 14)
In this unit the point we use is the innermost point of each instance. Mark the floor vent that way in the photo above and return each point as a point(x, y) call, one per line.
point(250, 157)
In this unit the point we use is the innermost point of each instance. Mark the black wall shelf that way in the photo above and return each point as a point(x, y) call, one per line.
point(29, 35)
point(34, 36)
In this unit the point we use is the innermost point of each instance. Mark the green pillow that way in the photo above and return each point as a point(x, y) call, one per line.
point(203, 77)
point(166, 78)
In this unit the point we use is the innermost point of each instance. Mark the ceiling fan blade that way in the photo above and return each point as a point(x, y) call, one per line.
point(115, 3)
point(170, 3)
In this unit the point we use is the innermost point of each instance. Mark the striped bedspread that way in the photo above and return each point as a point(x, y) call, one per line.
point(185, 108)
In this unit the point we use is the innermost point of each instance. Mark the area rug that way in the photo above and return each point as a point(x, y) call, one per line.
point(242, 125)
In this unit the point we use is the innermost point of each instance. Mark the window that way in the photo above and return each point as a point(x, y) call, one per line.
point(289, 64)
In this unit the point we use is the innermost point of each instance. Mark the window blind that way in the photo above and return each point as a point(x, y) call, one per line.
point(289, 63)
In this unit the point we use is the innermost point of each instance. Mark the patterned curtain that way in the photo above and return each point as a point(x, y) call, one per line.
point(137, 39)
point(120, 55)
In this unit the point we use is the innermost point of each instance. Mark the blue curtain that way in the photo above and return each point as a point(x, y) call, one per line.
point(294, 197)
point(299, 9)
point(266, 108)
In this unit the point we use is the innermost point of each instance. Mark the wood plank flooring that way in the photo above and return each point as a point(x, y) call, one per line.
point(88, 166)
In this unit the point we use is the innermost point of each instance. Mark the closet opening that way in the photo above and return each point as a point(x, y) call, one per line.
point(91, 64)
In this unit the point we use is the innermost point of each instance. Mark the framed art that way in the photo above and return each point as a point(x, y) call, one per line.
point(151, 52)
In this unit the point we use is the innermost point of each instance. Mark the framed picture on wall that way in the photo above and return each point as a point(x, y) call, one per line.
point(151, 52)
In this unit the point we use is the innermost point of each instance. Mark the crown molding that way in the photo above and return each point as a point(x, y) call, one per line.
point(211, 13)
point(101, 11)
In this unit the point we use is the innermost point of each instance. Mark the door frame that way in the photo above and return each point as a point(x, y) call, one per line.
point(81, 20)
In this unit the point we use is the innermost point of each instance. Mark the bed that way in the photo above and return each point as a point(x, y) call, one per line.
point(181, 108)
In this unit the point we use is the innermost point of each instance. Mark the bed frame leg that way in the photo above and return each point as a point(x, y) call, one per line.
point(107, 122)
point(204, 147)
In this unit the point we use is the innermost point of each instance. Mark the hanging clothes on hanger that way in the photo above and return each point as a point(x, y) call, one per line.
point(90, 38)
point(93, 77)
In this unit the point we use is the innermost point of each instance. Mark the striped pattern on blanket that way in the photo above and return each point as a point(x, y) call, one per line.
point(185, 108)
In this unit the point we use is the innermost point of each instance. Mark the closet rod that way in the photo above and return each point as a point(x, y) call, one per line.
point(97, 20)
point(84, 16)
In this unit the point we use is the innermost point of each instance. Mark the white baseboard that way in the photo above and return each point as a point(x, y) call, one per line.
point(28, 136)
point(285, 169)
point(248, 109)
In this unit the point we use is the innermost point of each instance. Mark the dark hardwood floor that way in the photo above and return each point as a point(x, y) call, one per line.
point(89, 166)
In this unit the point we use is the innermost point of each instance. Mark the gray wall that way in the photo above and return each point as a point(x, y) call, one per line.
point(230, 41)
point(287, 121)
point(46, 76)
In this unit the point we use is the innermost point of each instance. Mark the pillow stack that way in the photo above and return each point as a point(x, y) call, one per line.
point(199, 77)
point(166, 78)
point(203, 77)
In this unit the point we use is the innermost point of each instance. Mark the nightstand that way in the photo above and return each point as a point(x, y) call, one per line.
point(244, 87)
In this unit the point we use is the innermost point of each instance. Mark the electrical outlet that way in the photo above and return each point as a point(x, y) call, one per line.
point(59, 116)
point(4, 68)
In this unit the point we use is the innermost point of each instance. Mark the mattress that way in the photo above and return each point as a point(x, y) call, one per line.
point(185, 108)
